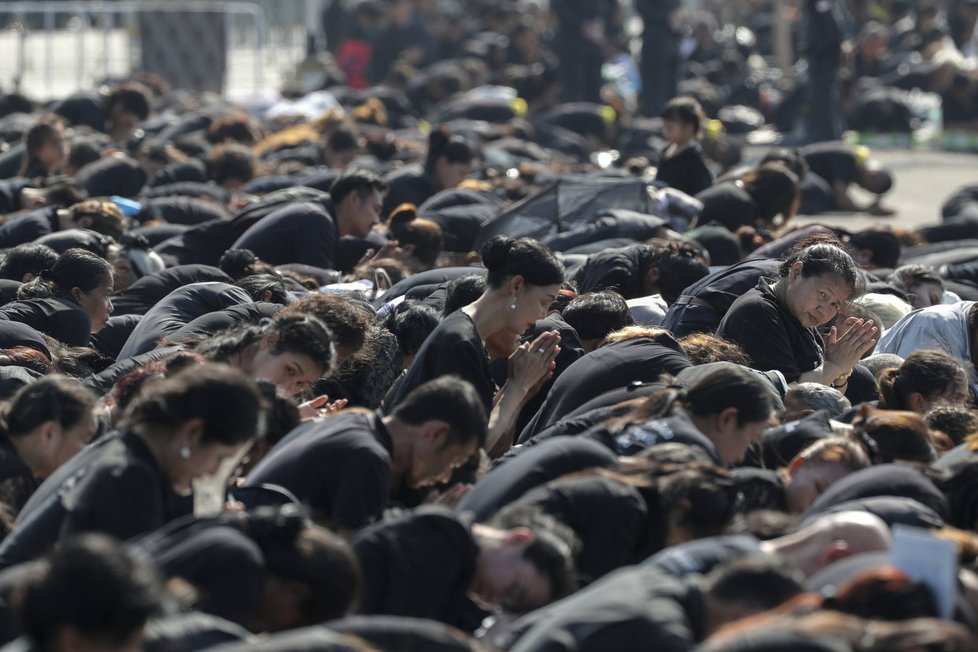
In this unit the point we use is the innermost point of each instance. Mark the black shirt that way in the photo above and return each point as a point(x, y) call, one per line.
point(610, 367)
point(420, 564)
point(412, 185)
point(673, 429)
point(701, 556)
point(780, 444)
point(612, 519)
point(610, 224)
point(221, 320)
point(60, 318)
point(114, 486)
point(177, 309)
point(454, 347)
point(771, 335)
point(146, 292)
point(728, 204)
point(632, 609)
point(532, 467)
point(882, 480)
point(833, 161)
point(300, 233)
point(340, 467)
point(224, 565)
point(619, 270)
point(29, 227)
point(685, 170)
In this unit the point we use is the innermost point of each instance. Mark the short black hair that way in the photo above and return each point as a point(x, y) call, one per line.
point(132, 98)
point(29, 258)
point(411, 322)
point(360, 181)
point(595, 314)
point(450, 399)
point(463, 290)
point(757, 583)
point(884, 246)
point(92, 584)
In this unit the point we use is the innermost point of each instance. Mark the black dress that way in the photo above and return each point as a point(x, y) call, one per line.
point(685, 170)
point(771, 335)
point(115, 487)
point(454, 347)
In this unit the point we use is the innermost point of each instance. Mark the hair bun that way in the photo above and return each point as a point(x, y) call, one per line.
point(495, 251)
point(403, 214)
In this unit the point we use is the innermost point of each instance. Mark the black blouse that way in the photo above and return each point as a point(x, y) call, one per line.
point(771, 335)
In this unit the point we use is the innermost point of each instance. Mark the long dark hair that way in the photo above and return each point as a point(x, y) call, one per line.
point(726, 387)
point(75, 268)
point(302, 334)
point(929, 372)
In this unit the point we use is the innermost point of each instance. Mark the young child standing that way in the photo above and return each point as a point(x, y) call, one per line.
point(683, 166)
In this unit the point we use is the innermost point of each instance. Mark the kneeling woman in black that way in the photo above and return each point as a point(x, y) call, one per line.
point(775, 324)
point(178, 429)
point(69, 302)
point(523, 279)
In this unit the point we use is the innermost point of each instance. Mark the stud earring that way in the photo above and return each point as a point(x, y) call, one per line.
point(185, 452)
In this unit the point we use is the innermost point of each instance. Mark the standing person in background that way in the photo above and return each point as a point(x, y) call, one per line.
point(582, 32)
point(405, 38)
point(660, 52)
point(822, 40)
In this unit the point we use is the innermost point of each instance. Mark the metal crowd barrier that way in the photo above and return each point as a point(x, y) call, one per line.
point(51, 49)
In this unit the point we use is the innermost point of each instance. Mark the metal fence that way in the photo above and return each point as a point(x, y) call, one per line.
point(49, 49)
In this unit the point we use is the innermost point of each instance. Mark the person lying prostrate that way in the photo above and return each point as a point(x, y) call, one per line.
point(633, 354)
point(221, 320)
point(177, 309)
point(346, 467)
point(147, 291)
point(724, 412)
point(755, 200)
point(776, 324)
point(178, 429)
point(309, 232)
point(624, 515)
point(44, 425)
point(523, 280)
point(69, 302)
point(269, 569)
point(795, 487)
point(524, 468)
point(882, 480)
point(428, 562)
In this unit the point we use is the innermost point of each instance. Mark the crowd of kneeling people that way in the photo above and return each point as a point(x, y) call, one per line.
point(617, 436)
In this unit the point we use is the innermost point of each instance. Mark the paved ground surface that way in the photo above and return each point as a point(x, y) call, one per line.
point(923, 180)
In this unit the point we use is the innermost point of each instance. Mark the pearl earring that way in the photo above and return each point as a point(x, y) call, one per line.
point(185, 452)
point(512, 306)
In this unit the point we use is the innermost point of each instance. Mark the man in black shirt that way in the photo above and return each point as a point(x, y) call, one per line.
point(309, 232)
point(346, 467)
point(426, 564)
point(833, 168)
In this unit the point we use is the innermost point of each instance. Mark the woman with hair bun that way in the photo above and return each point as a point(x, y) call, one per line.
point(176, 430)
point(775, 323)
point(69, 302)
point(523, 279)
point(421, 240)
